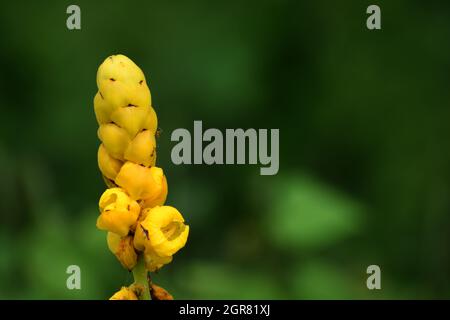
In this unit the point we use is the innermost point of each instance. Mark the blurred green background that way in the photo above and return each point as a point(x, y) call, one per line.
point(364, 151)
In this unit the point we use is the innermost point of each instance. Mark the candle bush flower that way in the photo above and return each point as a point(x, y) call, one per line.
point(142, 232)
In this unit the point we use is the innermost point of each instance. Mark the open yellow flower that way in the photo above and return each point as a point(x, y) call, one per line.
point(162, 231)
point(123, 249)
point(141, 183)
point(124, 294)
point(119, 212)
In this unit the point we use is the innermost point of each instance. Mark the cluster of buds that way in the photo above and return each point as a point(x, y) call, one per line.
point(140, 227)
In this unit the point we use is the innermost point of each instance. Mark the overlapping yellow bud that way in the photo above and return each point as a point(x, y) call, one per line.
point(142, 183)
point(161, 232)
point(128, 122)
point(119, 212)
point(123, 249)
point(124, 294)
point(141, 149)
point(121, 85)
point(108, 165)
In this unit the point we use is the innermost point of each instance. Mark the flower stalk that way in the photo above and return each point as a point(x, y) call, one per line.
point(141, 278)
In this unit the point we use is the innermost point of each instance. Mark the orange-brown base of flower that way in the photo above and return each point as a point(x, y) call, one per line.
point(159, 293)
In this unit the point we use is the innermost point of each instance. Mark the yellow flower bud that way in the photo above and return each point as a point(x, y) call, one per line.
point(141, 182)
point(114, 138)
point(132, 119)
point(162, 231)
point(102, 109)
point(122, 83)
point(142, 149)
point(124, 294)
point(108, 165)
point(119, 212)
point(151, 121)
point(123, 249)
point(158, 201)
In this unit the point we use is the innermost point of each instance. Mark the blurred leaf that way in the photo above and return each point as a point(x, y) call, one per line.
point(323, 280)
point(206, 280)
point(307, 214)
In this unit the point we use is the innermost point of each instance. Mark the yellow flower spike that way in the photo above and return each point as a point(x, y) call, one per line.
point(153, 262)
point(140, 182)
point(114, 138)
point(162, 231)
point(119, 212)
point(122, 83)
point(124, 294)
point(142, 234)
point(123, 249)
point(108, 165)
point(142, 149)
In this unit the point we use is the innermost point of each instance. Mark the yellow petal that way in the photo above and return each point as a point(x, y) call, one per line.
point(153, 262)
point(159, 200)
point(140, 182)
point(123, 249)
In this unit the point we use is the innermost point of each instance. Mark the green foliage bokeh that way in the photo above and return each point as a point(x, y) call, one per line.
point(364, 149)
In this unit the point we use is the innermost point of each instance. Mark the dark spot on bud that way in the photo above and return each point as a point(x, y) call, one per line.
point(114, 123)
point(145, 232)
point(112, 79)
point(140, 82)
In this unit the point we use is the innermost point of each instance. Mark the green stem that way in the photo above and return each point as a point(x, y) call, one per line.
point(140, 274)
